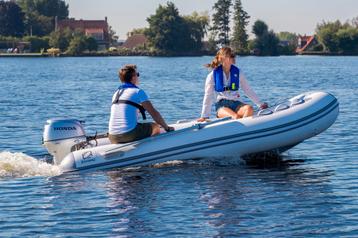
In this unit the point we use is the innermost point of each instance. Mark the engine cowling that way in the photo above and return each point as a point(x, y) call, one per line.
point(60, 135)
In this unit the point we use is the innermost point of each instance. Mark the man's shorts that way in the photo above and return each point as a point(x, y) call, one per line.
point(141, 131)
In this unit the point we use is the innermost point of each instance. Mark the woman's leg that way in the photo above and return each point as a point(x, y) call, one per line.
point(245, 111)
point(226, 112)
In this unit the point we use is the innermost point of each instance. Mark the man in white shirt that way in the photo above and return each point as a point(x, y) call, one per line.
point(127, 100)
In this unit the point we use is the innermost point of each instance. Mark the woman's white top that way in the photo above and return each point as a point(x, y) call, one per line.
point(212, 96)
point(124, 117)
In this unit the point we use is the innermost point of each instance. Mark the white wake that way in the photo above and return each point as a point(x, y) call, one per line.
point(20, 165)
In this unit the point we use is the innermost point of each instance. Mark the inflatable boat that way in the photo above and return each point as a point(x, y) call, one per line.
point(279, 128)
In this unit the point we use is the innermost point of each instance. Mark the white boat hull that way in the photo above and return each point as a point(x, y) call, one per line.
point(313, 113)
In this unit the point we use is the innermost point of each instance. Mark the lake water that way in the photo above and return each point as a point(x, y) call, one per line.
point(312, 191)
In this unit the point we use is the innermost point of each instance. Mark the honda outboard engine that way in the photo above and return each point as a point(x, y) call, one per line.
point(60, 135)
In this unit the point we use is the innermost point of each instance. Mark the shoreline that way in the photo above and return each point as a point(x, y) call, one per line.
point(42, 55)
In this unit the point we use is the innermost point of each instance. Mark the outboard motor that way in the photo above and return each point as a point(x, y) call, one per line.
point(61, 135)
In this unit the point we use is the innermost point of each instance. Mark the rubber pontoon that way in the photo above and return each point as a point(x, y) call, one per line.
point(277, 128)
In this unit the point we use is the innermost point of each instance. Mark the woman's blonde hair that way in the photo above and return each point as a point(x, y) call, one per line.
point(220, 55)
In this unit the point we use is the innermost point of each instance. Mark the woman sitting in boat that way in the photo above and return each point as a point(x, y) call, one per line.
point(123, 123)
point(222, 85)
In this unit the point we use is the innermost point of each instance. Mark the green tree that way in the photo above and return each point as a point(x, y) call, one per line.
point(197, 26)
point(292, 38)
point(38, 25)
point(347, 40)
point(270, 44)
point(339, 38)
point(170, 33)
point(49, 8)
point(52, 8)
point(11, 19)
point(27, 6)
point(91, 44)
point(40, 15)
point(266, 42)
point(113, 38)
point(61, 39)
point(259, 28)
point(241, 20)
point(165, 28)
point(211, 46)
point(221, 21)
point(77, 45)
point(355, 22)
point(137, 31)
point(327, 35)
point(38, 44)
point(73, 42)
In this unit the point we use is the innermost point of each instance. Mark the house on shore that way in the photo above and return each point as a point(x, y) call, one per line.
point(135, 41)
point(307, 44)
point(98, 29)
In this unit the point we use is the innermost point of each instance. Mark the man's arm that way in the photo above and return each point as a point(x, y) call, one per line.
point(148, 106)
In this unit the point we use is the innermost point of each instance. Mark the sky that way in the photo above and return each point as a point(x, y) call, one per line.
point(298, 16)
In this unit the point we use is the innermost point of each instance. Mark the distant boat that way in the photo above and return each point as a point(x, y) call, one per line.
point(279, 128)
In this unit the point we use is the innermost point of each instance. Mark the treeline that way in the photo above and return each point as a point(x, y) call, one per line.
point(72, 43)
point(170, 33)
point(266, 42)
point(33, 21)
point(30, 17)
point(337, 37)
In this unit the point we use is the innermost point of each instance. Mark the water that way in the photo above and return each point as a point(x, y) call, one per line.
point(313, 193)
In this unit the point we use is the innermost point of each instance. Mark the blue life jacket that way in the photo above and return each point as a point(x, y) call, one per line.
point(219, 79)
point(127, 85)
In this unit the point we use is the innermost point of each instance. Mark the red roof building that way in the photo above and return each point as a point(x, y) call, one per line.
point(98, 29)
point(135, 41)
point(306, 43)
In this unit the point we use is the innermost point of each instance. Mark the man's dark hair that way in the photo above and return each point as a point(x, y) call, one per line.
point(127, 72)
